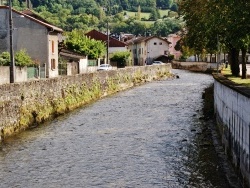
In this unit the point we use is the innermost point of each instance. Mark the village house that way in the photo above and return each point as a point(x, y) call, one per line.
point(114, 45)
point(39, 38)
point(145, 50)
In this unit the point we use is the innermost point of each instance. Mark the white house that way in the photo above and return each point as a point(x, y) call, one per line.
point(146, 49)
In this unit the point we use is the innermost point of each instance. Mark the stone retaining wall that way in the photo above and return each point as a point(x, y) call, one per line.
point(197, 66)
point(31, 103)
point(232, 108)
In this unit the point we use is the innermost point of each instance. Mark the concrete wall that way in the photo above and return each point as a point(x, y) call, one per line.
point(197, 66)
point(26, 35)
point(4, 31)
point(33, 102)
point(20, 74)
point(232, 108)
point(4, 74)
point(83, 66)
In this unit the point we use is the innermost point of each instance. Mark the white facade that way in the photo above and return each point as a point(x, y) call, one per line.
point(233, 114)
point(156, 47)
point(117, 49)
point(146, 49)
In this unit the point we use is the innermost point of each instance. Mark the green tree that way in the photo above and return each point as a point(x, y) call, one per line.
point(5, 59)
point(122, 58)
point(165, 27)
point(139, 13)
point(154, 14)
point(78, 42)
point(22, 59)
point(225, 22)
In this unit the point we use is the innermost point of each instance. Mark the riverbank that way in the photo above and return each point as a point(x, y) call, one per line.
point(232, 110)
point(30, 103)
point(211, 132)
point(197, 66)
point(147, 136)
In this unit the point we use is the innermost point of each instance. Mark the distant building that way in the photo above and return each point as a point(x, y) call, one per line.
point(124, 37)
point(145, 50)
point(114, 44)
point(173, 39)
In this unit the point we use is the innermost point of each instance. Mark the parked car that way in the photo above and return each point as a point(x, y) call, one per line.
point(104, 67)
point(158, 63)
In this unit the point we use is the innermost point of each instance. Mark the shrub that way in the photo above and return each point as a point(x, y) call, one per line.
point(121, 58)
point(171, 57)
point(22, 59)
point(5, 59)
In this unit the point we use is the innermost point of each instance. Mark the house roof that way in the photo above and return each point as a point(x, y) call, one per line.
point(71, 55)
point(32, 16)
point(94, 34)
point(145, 39)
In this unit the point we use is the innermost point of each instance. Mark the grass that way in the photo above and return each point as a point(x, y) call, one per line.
point(146, 15)
point(163, 13)
point(227, 73)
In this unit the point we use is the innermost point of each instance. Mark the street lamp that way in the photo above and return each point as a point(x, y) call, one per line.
point(12, 60)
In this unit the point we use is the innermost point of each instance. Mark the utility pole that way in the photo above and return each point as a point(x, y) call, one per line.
point(218, 53)
point(108, 42)
point(12, 60)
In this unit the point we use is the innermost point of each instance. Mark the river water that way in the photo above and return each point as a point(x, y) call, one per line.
point(151, 136)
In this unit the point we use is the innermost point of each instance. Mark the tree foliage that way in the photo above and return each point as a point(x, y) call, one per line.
point(91, 14)
point(122, 58)
point(210, 23)
point(22, 59)
point(78, 42)
point(5, 59)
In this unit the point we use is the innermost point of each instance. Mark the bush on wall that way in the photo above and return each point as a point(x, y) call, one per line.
point(22, 59)
point(4, 59)
point(121, 58)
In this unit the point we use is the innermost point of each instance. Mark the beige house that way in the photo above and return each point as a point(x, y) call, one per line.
point(145, 50)
point(30, 32)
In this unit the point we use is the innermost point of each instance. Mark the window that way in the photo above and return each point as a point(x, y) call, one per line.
point(155, 43)
point(160, 43)
point(53, 46)
point(134, 51)
point(53, 64)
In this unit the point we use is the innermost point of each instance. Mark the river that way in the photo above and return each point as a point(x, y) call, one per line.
point(150, 136)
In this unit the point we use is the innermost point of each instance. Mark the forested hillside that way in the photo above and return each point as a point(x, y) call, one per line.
point(114, 6)
point(94, 14)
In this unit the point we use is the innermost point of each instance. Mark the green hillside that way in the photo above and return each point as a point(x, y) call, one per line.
point(94, 14)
